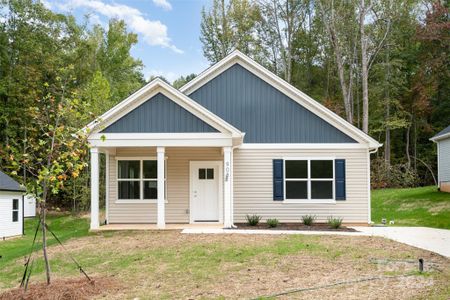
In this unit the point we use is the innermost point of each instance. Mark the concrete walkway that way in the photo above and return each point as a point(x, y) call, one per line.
point(431, 239)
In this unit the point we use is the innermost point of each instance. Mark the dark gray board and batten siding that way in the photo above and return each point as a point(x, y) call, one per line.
point(159, 114)
point(261, 111)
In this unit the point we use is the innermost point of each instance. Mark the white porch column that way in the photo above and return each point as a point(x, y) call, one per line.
point(227, 192)
point(161, 201)
point(95, 174)
point(107, 188)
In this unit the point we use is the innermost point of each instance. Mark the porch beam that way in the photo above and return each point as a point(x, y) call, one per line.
point(95, 176)
point(161, 222)
point(227, 192)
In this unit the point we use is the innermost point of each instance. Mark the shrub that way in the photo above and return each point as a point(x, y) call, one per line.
point(335, 223)
point(384, 175)
point(272, 223)
point(253, 220)
point(308, 220)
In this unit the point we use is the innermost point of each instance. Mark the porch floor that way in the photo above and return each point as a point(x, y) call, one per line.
point(154, 227)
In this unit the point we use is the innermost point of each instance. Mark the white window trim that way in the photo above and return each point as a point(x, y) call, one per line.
point(15, 210)
point(309, 180)
point(140, 179)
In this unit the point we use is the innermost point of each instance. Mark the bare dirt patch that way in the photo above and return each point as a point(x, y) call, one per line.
point(64, 289)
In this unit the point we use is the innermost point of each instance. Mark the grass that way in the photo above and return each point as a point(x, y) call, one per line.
point(155, 264)
point(423, 206)
point(65, 226)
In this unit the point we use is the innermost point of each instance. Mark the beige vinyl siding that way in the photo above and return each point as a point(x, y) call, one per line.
point(253, 186)
point(177, 205)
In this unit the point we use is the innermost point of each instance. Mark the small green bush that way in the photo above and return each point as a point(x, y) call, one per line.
point(272, 223)
point(308, 220)
point(335, 223)
point(253, 220)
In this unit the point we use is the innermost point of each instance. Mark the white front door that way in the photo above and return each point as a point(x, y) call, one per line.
point(205, 191)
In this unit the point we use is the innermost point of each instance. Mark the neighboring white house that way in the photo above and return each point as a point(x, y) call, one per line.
point(11, 207)
point(235, 140)
point(29, 206)
point(442, 140)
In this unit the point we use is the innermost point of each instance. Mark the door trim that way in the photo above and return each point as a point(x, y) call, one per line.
point(192, 174)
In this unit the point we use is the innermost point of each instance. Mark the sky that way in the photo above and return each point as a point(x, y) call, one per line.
point(168, 30)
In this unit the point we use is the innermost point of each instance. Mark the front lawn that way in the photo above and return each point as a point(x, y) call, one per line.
point(171, 265)
point(65, 226)
point(423, 206)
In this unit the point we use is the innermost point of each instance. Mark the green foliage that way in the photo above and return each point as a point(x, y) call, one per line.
point(55, 77)
point(253, 220)
point(272, 223)
point(178, 83)
point(384, 175)
point(308, 220)
point(334, 222)
point(421, 206)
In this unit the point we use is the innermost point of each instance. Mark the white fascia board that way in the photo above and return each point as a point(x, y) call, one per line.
point(284, 87)
point(160, 139)
point(154, 87)
point(440, 137)
point(299, 146)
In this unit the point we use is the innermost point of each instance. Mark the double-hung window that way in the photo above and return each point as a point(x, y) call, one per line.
point(137, 179)
point(309, 179)
point(15, 210)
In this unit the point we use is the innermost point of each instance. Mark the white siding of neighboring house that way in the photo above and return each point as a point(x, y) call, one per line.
point(177, 205)
point(253, 186)
point(444, 164)
point(30, 206)
point(444, 160)
point(7, 226)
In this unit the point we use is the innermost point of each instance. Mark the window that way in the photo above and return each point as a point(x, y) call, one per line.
point(15, 210)
point(309, 179)
point(137, 179)
point(205, 173)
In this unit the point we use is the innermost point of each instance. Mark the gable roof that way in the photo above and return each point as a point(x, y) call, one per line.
point(441, 134)
point(236, 57)
point(264, 113)
point(9, 184)
point(159, 114)
point(148, 91)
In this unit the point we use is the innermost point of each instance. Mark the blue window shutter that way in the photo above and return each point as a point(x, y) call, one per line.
point(340, 178)
point(278, 180)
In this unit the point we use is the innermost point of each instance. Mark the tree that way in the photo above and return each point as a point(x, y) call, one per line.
point(58, 148)
point(178, 83)
point(228, 25)
point(280, 22)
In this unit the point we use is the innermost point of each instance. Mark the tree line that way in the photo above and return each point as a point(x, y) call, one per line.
point(382, 65)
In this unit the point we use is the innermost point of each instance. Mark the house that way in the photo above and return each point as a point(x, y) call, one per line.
point(442, 140)
point(11, 207)
point(29, 209)
point(235, 140)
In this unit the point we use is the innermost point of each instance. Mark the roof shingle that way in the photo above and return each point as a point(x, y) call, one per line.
point(9, 184)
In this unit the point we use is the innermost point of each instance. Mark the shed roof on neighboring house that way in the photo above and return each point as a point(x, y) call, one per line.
point(9, 184)
point(445, 133)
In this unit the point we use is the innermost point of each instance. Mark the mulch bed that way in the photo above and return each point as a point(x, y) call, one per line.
point(295, 226)
point(64, 289)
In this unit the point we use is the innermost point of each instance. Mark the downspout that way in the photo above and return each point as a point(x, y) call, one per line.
point(369, 207)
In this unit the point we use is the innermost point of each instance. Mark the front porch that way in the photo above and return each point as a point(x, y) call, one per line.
point(163, 187)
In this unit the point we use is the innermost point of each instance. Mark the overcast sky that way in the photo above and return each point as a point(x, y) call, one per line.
point(168, 30)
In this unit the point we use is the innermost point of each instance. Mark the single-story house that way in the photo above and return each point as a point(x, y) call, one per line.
point(442, 140)
point(235, 140)
point(11, 207)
